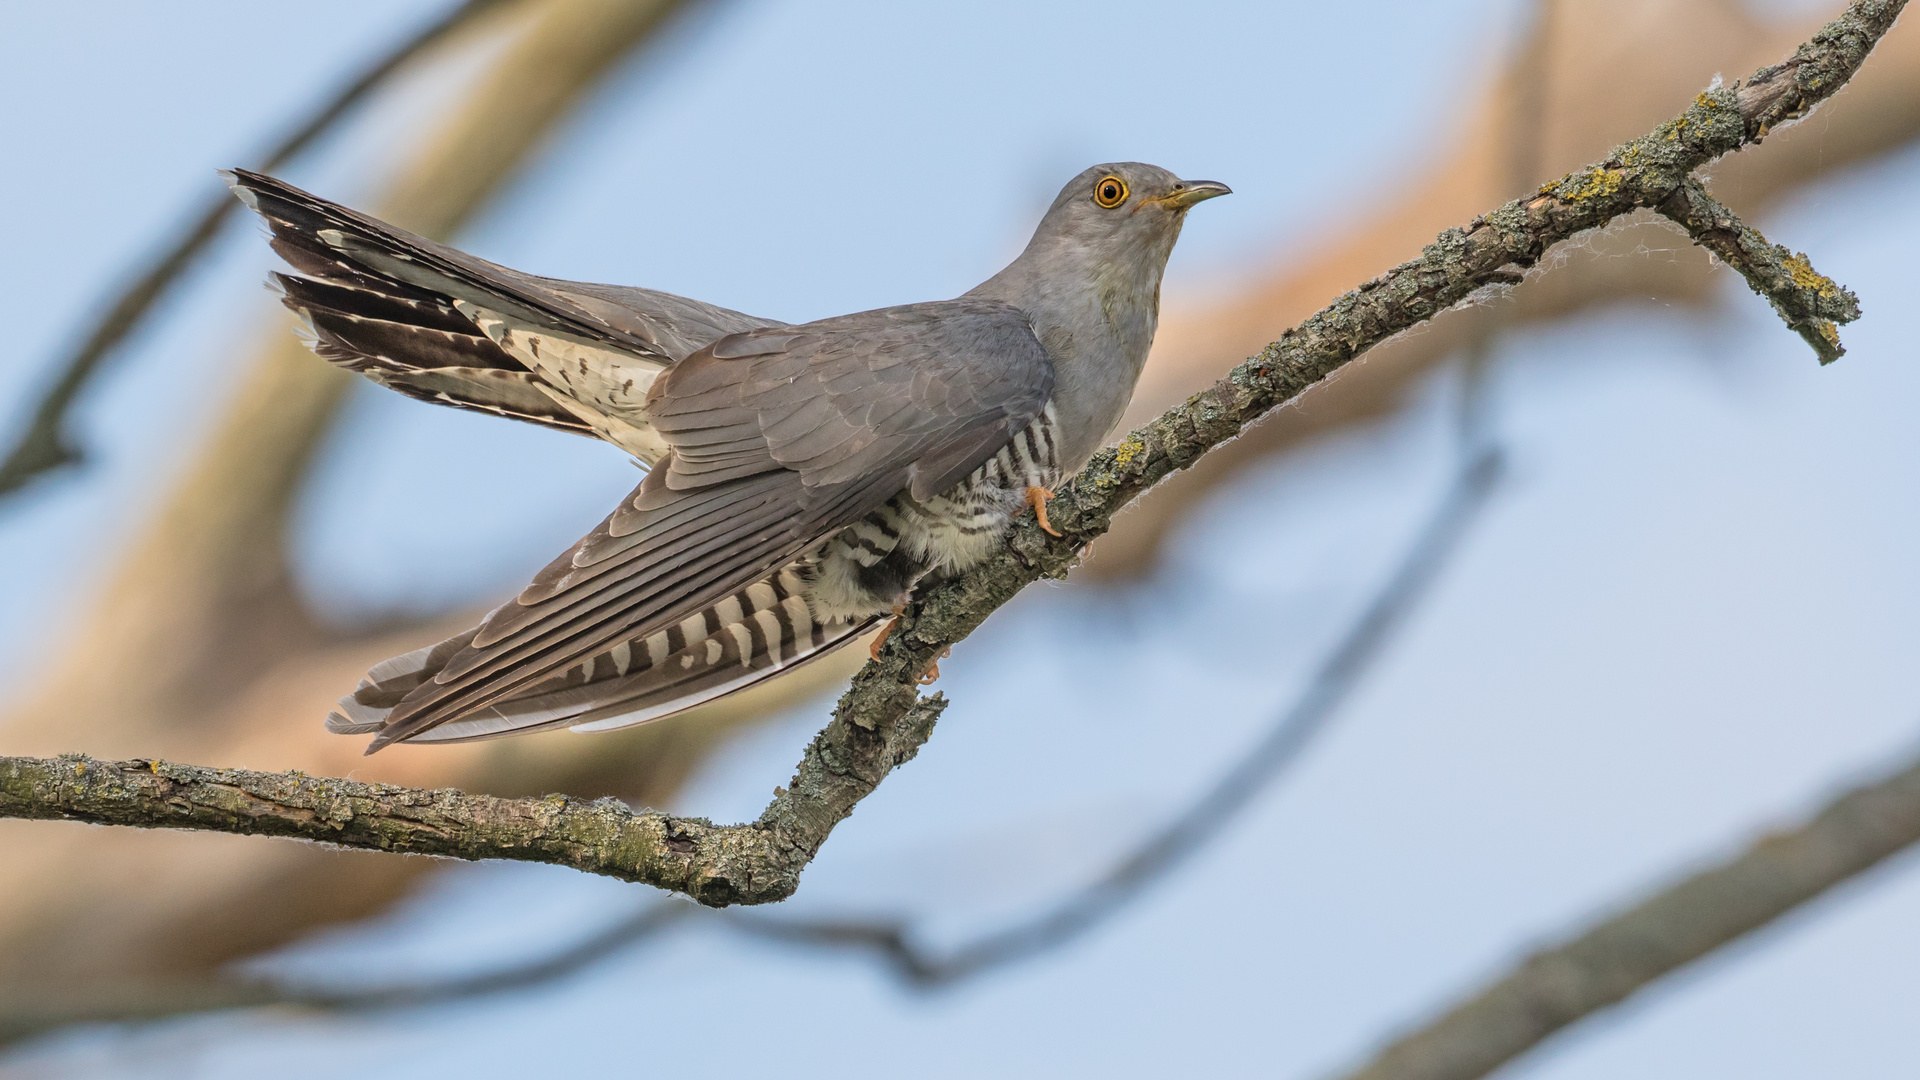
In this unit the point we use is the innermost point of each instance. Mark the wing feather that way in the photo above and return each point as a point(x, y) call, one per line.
point(772, 449)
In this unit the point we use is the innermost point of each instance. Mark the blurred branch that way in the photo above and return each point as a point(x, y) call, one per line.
point(213, 652)
point(1682, 923)
point(881, 721)
point(1809, 303)
point(45, 445)
point(24, 1014)
point(1188, 833)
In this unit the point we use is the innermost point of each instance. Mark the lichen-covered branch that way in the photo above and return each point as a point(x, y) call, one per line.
point(1810, 304)
point(1494, 249)
point(717, 865)
point(881, 720)
point(1557, 986)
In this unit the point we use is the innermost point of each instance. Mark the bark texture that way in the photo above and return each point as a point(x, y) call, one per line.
point(716, 865)
point(1810, 303)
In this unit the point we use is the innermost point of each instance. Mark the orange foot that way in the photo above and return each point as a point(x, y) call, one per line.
point(880, 639)
point(1037, 498)
point(933, 670)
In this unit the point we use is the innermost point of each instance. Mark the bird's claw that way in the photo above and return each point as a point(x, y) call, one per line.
point(873, 650)
point(932, 674)
point(1037, 498)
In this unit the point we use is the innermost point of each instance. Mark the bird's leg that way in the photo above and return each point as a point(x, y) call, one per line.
point(1037, 498)
point(933, 670)
point(874, 649)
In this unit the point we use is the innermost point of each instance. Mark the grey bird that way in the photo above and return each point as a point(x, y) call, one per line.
point(801, 480)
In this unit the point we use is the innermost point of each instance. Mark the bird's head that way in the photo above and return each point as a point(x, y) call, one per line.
point(1108, 235)
point(1122, 211)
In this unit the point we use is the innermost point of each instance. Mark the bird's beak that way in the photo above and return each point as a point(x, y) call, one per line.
point(1190, 192)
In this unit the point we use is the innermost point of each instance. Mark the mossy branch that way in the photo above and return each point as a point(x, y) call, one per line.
point(1810, 304)
point(881, 720)
point(716, 865)
point(1493, 249)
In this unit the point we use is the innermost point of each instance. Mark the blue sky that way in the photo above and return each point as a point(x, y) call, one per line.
point(1688, 615)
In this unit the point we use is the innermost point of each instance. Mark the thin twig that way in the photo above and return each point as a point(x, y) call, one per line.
point(46, 445)
point(1809, 303)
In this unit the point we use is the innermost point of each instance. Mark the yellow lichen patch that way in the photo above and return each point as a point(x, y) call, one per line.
point(1829, 332)
point(1599, 184)
point(1806, 277)
point(1127, 451)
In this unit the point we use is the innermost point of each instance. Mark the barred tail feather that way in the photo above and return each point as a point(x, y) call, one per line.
point(365, 710)
point(752, 635)
point(426, 320)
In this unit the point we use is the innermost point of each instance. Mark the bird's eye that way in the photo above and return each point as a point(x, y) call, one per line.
point(1110, 192)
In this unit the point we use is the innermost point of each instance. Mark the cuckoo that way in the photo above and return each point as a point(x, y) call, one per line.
point(801, 479)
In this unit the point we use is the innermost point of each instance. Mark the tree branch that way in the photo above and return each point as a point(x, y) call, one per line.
point(1557, 986)
point(1809, 303)
point(1491, 250)
point(716, 865)
point(24, 1013)
point(881, 721)
point(45, 446)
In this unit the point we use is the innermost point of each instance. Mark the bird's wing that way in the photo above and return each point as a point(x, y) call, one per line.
point(445, 326)
point(778, 438)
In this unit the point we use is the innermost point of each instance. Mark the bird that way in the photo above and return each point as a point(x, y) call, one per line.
point(801, 480)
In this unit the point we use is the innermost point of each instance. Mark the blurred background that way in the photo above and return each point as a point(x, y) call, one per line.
point(1677, 620)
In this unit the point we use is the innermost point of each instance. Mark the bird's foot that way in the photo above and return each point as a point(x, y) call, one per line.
point(1037, 498)
point(933, 670)
point(880, 639)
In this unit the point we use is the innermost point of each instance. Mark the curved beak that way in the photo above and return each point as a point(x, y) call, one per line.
point(1188, 192)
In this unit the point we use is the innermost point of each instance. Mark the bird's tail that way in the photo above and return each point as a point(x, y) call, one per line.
point(757, 632)
point(441, 325)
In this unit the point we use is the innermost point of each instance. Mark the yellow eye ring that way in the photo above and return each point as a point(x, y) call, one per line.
point(1110, 192)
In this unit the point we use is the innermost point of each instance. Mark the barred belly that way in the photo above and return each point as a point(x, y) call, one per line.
point(872, 566)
